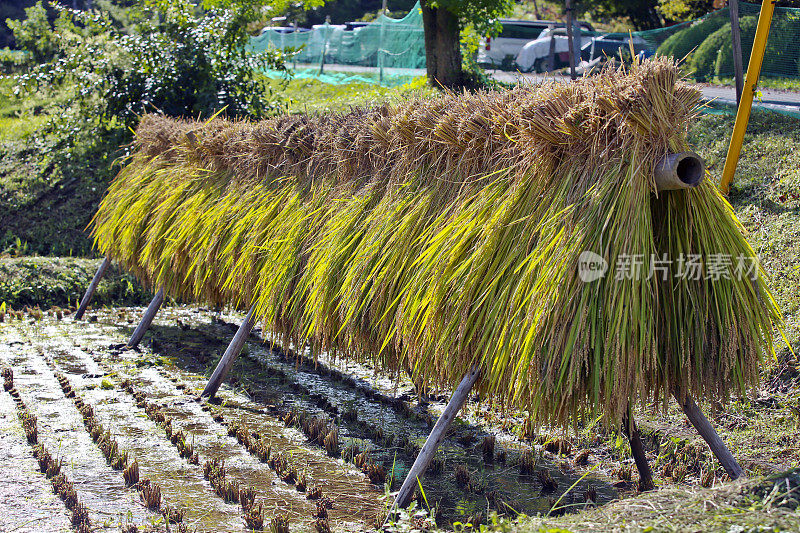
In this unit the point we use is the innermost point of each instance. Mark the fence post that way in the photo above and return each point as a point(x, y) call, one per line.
point(709, 434)
point(147, 319)
point(736, 41)
point(326, 29)
point(230, 355)
point(295, 52)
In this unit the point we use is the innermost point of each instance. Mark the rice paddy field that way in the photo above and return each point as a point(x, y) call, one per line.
point(98, 437)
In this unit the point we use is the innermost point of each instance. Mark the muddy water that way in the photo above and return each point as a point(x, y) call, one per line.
point(182, 484)
point(183, 346)
point(256, 373)
point(340, 481)
point(27, 503)
point(60, 427)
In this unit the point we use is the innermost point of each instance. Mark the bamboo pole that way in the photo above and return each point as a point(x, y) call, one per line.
point(637, 450)
point(428, 450)
point(147, 319)
point(746, 103)
point(230, 355)
point(736, 41)
point(709, 434)
point(87, 298)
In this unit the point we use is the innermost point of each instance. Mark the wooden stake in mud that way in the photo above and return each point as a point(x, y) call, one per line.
point(637, 450)
point(92, 287)
point(437, 434)
point(230, 355)
point(709, 434)
point(147, 319)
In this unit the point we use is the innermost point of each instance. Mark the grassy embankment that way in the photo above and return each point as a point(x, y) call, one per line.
point(44, 209)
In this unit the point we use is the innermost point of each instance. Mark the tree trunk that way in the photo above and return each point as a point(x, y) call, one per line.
point(442, 47)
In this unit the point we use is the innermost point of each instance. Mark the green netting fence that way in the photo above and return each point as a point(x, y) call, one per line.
point(387, 51)
point(707, 43)
point(392, 51)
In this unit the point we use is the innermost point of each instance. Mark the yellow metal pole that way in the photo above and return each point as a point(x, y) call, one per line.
point(746, 103)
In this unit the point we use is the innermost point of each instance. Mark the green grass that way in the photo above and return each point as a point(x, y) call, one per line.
point(61, 281)
point(751, 507)
point(313, 96)
point(14, 128)
point(786, 84)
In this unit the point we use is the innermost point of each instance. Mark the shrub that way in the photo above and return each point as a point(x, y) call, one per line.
point(681, 44)
point(715, 56)
point(704, 59)
point(174, 61)
point(33, 33)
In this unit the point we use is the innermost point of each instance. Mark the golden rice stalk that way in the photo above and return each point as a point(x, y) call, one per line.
point(444, 233)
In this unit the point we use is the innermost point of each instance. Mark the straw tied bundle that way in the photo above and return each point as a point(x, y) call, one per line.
point(444, 233)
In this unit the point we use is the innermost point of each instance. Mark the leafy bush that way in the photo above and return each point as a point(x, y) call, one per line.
point(704, 59)
point(175, 61)
point(714, 57)
point(12, 60)
point(722, 64)
point(681, 44)
point(103, 71)
point(33, 33)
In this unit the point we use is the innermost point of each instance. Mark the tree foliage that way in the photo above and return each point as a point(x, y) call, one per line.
point(175, 59)
point(481, 14)
point(642, 13)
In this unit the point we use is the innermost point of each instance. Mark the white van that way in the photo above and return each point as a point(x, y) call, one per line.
point(502, 51)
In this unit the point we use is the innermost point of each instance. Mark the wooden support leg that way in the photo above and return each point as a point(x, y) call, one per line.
point(437, 434)
point(709, 434)
point(92, 287)
point(637, 449)
point(147, 319)
point(230, 355)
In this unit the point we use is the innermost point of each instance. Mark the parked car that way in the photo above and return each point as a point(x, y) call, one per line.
point(501, 51)
point(535, 55)
point(615, 45)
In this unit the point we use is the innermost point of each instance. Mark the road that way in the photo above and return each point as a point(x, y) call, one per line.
point(781, 101)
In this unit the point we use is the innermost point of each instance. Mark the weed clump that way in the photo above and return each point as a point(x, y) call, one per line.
point(549, 484)
point(314, 493)
point(322, 526)
point(150, 494)
point(131, 474)
point(463, 476)
point(487, 448)
point(254, 517)
point(582, 458)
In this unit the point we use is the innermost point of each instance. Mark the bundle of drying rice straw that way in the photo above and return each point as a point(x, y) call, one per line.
point(442, 233)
